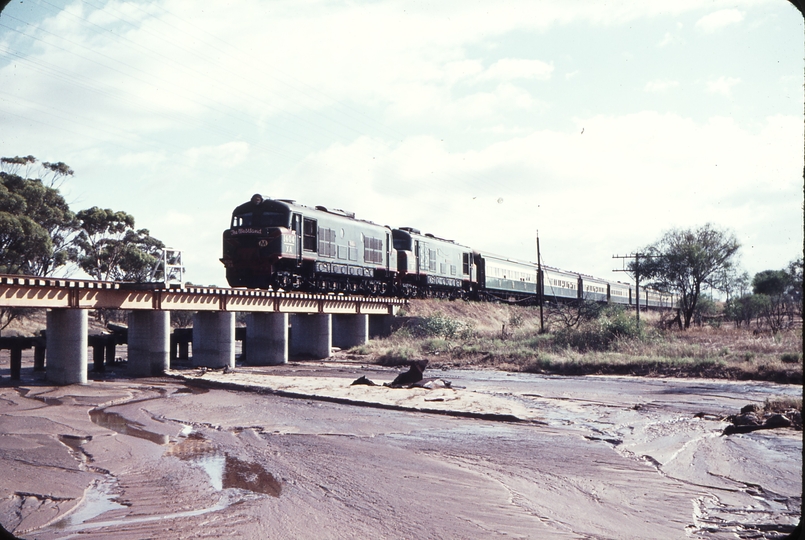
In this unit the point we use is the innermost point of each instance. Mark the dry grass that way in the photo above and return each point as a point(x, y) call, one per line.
point(506, 337)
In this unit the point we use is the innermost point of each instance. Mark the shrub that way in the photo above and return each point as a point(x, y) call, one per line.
point(436, 345)
point(791, 358)
point(440, 326)
point(600, 334)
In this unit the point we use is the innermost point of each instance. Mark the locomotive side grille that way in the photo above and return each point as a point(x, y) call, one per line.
point(373, 250)
point(327, 246)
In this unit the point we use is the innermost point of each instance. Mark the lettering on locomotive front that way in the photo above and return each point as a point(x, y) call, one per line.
point(245, 230)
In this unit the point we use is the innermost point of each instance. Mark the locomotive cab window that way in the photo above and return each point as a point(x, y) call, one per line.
point(309, 236)
point(266, 219)
point(243, 220)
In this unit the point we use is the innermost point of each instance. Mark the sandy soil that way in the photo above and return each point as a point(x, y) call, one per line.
point(296, 452)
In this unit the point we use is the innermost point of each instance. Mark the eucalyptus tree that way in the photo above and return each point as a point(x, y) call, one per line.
point(36, 223)
point(685, 261)
point(109, 248)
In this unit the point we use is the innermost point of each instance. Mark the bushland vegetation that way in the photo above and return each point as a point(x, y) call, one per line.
point(40, 235)
point(602, 340)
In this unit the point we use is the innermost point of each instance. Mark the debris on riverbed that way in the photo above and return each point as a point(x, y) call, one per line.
point(409, 379)
point(412, 376)
point(363, 380)
point(754, 417)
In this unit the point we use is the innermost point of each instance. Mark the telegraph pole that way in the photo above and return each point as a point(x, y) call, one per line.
point(636, 257)
point(539, 287)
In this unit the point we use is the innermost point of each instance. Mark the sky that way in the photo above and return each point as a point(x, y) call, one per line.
point(601, 125)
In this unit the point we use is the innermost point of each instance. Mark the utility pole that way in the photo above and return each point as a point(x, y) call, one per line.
point(539, 287)
point(636, 257)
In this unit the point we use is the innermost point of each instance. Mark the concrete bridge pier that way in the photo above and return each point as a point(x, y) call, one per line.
point(380, 325)
point(66, 350)
point(312, 335)
point(350, 330)
point(148, 343)
point(266, 341)
point(214, 339)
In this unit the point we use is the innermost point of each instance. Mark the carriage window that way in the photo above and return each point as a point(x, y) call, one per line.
point(309, 234)
point(465, 265)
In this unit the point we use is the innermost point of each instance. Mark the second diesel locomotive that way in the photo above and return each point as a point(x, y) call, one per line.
point(280, 244)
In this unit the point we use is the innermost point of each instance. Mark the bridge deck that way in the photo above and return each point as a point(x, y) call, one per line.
point(39, 292)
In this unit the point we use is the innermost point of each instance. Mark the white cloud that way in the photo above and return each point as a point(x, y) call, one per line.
point(225, 156)
point(660, 85)
point(669, 39)
point(722, 85)
point(508, 69)
point(140, 159)
point(719, 19)
point(655, 170)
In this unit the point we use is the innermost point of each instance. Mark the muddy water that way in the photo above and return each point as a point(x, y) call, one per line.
point(614, 458)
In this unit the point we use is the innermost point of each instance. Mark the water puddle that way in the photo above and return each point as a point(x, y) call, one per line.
point(225, 471)
point(116, 422)
point(98, 500)
point(77, 528)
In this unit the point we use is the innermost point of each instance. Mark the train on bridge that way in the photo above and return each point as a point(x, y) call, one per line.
point(283, 245)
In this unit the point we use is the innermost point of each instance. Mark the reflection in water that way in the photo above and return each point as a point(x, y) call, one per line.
point(249, 476)
point(225, 471)
point(98, 499)
point(116, 422)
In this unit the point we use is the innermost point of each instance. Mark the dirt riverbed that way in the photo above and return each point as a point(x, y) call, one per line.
point(296, 452)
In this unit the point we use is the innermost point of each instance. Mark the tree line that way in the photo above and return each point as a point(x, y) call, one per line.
point(688, 262)
point(40, 235)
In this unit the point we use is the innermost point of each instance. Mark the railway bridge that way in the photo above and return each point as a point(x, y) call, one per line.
point(318, 321)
